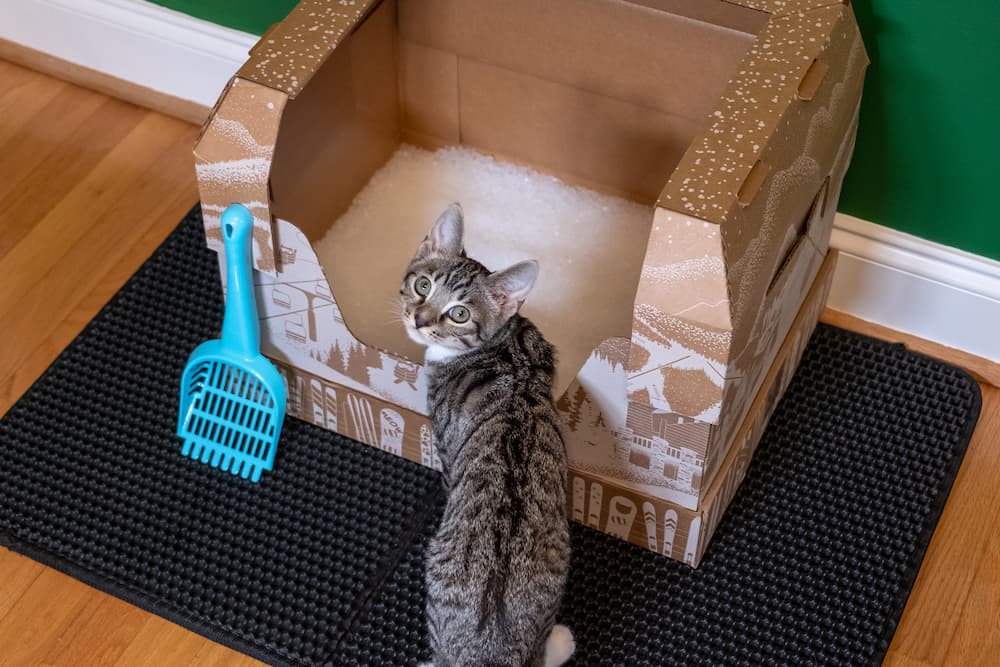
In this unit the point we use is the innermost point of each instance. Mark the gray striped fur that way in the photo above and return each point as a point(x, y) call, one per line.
point(497, 566)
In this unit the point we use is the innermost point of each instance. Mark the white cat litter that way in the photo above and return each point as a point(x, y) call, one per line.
point(590, 247)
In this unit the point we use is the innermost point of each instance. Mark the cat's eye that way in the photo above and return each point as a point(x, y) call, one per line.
point(422, 286)
point(459, 314)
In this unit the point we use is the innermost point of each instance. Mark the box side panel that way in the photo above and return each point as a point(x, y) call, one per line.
point(369, 420)
point(734, 468)
point(774, 232)
point(653, 524)
point(656, 455)
point(293, 50)
point(340, 128)
point(787, 290)
point(623, 50)
point(680, 327)
point(233, 161)
point(623, 147)
point(799, 157)
point(794, 213)
point(429, 95)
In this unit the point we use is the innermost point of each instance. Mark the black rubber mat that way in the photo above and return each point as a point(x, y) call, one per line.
point(320, 563)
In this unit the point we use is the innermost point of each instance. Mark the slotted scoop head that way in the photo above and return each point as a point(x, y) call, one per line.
point(232, 402)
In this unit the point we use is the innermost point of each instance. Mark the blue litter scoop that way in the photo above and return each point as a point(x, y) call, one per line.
point(232, 398)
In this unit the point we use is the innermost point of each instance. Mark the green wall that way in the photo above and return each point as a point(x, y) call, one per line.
point(928, 145)
point(253, 16)
point(929, 137)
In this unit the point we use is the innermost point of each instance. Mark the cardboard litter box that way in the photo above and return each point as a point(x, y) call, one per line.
point(733, 121)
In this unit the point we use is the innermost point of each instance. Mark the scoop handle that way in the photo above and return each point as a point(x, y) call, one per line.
point(240, 329)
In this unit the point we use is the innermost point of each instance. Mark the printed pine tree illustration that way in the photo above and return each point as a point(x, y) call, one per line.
point(357, 367)
point(613, 351)
point(588, 416)
point(360, 358)
point(373, 359)
point(336, 358)
point(571, 407)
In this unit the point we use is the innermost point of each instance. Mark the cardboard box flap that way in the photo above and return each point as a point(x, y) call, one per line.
point(712, 172)
point(289, 54)
point(233, 163)
point(801, 154)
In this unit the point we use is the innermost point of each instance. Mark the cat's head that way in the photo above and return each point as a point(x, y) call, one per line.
point(452, 303)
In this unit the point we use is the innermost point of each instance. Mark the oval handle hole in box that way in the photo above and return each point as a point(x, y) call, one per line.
point(817, 210)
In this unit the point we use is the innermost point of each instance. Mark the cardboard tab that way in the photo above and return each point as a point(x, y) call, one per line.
point(811, 80)
point(752, 184)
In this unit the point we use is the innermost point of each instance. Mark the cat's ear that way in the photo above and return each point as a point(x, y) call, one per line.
point(445, 238)
point(510, 286)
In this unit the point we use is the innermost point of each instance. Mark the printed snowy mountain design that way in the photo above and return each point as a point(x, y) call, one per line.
point(660, 341)
point(676, 285)
point(234, 160)
point(613, 351)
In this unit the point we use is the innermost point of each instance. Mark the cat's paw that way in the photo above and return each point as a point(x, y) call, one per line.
point(559, 647)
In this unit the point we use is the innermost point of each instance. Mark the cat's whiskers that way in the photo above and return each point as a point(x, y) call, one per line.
point(394, 311)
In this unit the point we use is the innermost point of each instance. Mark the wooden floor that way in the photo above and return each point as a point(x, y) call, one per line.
point(89, 186)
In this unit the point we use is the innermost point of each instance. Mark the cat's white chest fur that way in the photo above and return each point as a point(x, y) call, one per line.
point(439, 354)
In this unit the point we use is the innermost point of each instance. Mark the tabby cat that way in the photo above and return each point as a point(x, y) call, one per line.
point(497, 566)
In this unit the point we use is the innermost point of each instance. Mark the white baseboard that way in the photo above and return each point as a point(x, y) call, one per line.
point(132, 40)
point(917, 286)
point(884, 276)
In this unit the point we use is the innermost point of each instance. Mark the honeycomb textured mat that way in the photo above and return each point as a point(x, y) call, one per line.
point(320, 563)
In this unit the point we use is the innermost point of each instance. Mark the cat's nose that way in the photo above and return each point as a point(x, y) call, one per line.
point(422, 319)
